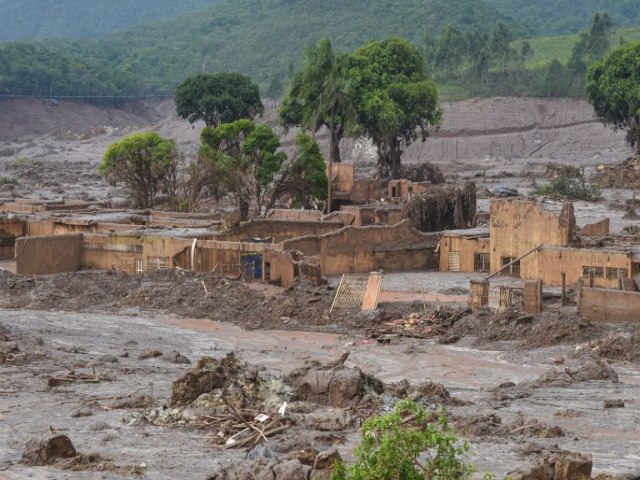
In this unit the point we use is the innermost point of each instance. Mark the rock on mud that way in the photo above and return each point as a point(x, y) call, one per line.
point(47, 452)
point(210, 374)
point(334, 385)
point(590, 370)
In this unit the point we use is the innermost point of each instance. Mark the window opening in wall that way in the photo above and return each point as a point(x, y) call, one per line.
point(139, 265)
point(598, 272)
point(454, 261)
point(514, 268)
point(481, 262)
point(612, 273)
point(157, 263)
point(394, 192)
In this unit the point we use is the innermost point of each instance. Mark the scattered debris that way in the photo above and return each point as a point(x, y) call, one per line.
point(491, 425)
point(73, 377)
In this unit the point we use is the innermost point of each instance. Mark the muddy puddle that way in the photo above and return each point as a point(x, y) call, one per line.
point(56, 343)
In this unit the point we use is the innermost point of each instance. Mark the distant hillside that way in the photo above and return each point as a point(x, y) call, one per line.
point(37, 19)
point(553, 17)
point(262, 37)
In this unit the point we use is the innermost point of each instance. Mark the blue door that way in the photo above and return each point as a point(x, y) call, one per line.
point(252, 265)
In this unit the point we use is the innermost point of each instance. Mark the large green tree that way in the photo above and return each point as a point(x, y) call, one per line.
point(247, 158)
point(319, 95)
point(613, 88)
point(218, 98)
point(145, 163)
point(395, 101)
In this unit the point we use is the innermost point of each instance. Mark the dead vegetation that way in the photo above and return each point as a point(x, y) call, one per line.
point(422, 172)
point(442, 208)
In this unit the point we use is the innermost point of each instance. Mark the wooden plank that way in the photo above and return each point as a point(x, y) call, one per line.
point(372, 292)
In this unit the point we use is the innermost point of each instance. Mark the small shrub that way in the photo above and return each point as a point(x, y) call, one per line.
point(4, 180)
point(574, 187)
point(408, 444)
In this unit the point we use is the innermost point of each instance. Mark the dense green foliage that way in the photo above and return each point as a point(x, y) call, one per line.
point(306, 181)
point(613, 88)
point(245, 160)
point(261, 38)
point(393, 447)
point(218, 98)
point(550, 17)
point(145, 163)
point(37, 19)
point(320, 94)
point(28, 69)
point(466, 51)
point(393, 98)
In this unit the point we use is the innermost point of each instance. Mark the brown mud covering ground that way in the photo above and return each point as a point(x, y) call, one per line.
point(86, 394)
point(183, 293)
point(305, 306)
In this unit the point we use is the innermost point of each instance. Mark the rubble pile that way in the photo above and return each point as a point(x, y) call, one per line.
point(624, 175)
point(423, 325)
point(622, 346)
point(492, 426)
point(551, 327)
point(557, 465)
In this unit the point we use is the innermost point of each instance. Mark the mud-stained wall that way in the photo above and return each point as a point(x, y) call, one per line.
point(279, 230)
point(365, 215)
point(117, 252)
point(294, 215)
point(519, 226)
point(596, 229)
point(50, 254)
point(465, 249)
point(598, 304)
point(549, 263)
point(342, 177)
point(364, 249)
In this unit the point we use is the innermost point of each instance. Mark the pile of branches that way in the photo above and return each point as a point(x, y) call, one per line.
point(442, 208)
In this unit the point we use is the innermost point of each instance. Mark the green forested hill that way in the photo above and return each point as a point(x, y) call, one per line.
point(262, 37)
point(37, 19)
point(466, 52)
point(552, 17)
point(28, 69)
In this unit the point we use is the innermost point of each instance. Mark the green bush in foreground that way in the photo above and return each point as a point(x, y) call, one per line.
point(407, 444)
